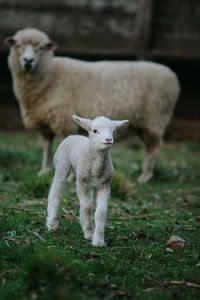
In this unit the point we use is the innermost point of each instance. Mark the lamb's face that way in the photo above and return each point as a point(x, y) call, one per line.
point(101, 131)
point(30, 45)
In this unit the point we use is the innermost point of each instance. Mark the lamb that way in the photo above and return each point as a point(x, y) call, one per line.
point(90, 159)
point(50, 89)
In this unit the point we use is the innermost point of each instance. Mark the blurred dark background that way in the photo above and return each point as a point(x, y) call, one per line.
point(163, 31)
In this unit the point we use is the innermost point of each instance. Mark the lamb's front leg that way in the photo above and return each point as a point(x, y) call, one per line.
point(85, 197)
point(100, 216)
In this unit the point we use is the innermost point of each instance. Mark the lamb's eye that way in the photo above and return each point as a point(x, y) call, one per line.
point(114, 132)
point(95, 130)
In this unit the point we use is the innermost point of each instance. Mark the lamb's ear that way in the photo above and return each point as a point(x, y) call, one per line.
point(10, 41)
point(84, 123)
point(119, 123)
point(51, 46)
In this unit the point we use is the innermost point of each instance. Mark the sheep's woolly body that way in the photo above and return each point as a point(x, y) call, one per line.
point(143, 92)
point(146, 90)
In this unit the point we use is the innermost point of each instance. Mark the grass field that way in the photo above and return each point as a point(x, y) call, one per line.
point(62, 265)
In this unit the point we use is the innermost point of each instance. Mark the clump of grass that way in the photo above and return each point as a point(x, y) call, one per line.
point(46, 269)
point(59, 293)
point(12, 156)
point(193, 146)
point(38, 186)
point(121, 186)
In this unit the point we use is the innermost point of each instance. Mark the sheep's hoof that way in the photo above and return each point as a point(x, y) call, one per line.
point(44, 171)
point(143, 178)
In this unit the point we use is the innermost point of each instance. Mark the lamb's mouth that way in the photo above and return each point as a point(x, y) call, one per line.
point(108, 143)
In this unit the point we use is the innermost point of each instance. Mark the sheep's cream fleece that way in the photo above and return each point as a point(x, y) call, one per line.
point(57, 87)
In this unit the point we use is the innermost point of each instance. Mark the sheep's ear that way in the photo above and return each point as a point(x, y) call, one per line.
point(9, 41)
point(84, 123)
point(51, 46)
point(119, 123)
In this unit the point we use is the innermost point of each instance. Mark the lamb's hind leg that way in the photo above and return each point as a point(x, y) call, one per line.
point(85, 197)
point(153, 144)
point(62, 172)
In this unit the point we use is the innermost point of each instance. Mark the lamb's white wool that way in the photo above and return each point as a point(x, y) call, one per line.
point(50, 89)
point(90, 159)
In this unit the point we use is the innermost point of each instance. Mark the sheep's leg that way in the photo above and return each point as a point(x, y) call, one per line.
point(100, 216)
point(46, 158)
point(55, 194)
point(152, 151)
point(85, 197)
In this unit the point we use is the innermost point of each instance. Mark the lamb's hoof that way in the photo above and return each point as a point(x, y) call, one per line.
point(144, 178)
point(98, 243)
point(88, 235)
point(52, 226)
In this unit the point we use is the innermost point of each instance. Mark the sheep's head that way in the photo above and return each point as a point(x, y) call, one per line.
point(101, 130)
point(30, 45)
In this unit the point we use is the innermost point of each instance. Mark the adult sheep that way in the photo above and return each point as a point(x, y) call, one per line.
point(50, 89)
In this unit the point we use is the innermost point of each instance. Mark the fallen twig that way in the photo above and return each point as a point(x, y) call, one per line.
point(173, 282)
point(38, 235)
point(191, 284)
point(27, 210)
point(29, 203)
point(70, 212)
point(133, 217)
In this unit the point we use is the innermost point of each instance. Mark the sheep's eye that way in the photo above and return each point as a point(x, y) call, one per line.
point(38, 49)
point(95, 131)
point(114, 132)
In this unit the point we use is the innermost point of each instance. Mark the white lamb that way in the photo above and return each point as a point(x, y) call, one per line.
point(51, 89)
point(90, 159)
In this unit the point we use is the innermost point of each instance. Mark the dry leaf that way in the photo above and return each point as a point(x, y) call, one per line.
point(175, 242)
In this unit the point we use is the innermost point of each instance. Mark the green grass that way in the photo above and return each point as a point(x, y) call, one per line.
point(62, 265)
